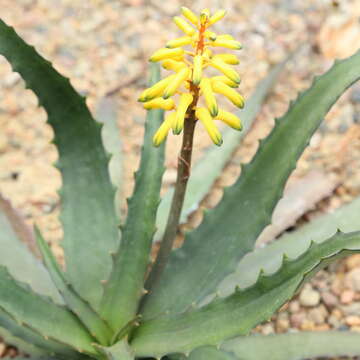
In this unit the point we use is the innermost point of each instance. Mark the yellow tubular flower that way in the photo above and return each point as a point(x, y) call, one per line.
point(160, 103)
point(217, 16)
point(156, 90)
point(190, 15)
point(163, 130)
point(178, 123)
point(173, 65)
point(229, 119)
point(197, 71)
point(184, 26)
point(226, 69)
point(179, 78)
point(230, 44)
point(230, 59)
point(204, 116)
point(207, 53)
point(189, 83)
point(231, 94)
point(210, 99)
point(225, 80)
point(182, 41)
point(225, 37)
point(162, 54)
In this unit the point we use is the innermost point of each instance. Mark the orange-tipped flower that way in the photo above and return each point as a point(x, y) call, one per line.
point(189, 82)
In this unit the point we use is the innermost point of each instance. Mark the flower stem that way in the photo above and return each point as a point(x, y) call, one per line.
point(183, 174)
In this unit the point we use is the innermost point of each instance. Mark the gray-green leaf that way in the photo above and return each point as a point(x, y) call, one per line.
point(125, 286)
point(238, 313)
point(229, 231)
point(87, 197)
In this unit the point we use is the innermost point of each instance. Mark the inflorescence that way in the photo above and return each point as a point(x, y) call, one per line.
point(189, 82)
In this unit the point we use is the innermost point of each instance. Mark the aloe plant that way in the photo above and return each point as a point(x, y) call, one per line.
point(198, 300)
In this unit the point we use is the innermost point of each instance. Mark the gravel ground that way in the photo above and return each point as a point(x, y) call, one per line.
point(103, 45)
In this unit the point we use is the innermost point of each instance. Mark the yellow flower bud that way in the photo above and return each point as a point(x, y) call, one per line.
point(210, 35)
point(173, 65)
point(231, 94)
point(229, 119)
point(184, 26)
point(163, 130)
point(181, 41)
point(179, 78)
point(204, 116)
point(207, 53)
point(204, 16)
point(160, 103)
point(190, 15)
point(227, 58)
point(178, 123)
point(156, 90)
point(217, 16)
point(209, 96)
point(225, 80)
point(197, 72)
point(230, 44)
point(225, 37)
point(226, 69)
point(164, 53)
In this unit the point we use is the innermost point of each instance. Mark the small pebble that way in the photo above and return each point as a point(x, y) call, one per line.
point(352, 320)
point(2, 349)
point(351, 309)
point(329, 299)
point(308, 325)
point(297, 319)
point(267, 329)
point(337, 286)
point(347, 297)
point(334, 321)
point(352, 279)
point(294, 307)
point(309, 297)
point(353, 261)
point(318, 315)
point(282, 322)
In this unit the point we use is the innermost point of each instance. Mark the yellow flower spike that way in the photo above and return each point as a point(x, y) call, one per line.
point(210, 35)
point(179, 78)
point(229, 119)
point(160, 103)
point(184, 26)
point(190, 82)
point(165, 53)
point(185, 102)
point(173, 65)
point(190, 15)
point(181, 41)
point(217, 16)
point(226, 69)
point(231, 94)
point(197, 71)
point(206, 88)
point(230, 44)
point(163, 130)
point(230, 59)
point(157, 89)
point(225, 80)
point(204, 116)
